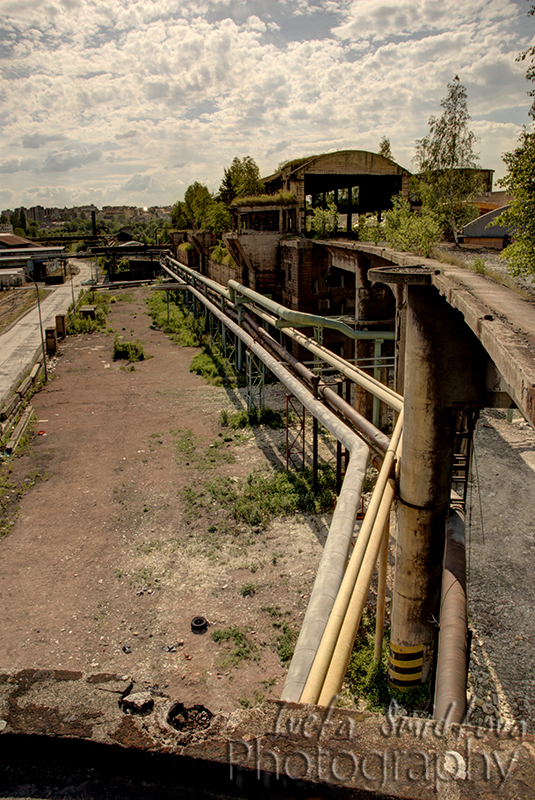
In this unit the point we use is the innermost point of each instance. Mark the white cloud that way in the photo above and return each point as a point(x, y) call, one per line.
point(135, 87)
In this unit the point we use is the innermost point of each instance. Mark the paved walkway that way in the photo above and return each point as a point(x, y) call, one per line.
point(20, 346)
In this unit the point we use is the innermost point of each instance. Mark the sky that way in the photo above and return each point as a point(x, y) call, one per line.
point(127, 102)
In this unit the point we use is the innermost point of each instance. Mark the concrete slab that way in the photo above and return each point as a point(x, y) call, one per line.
point(276, 749)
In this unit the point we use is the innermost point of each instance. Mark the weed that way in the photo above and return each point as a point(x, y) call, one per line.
point(368, 679)
point(76, 323)
point(209, 366)
point(242, 649)
point(179, 325)
point(273, 611)
point(248, 590)
point(245, 703)
point(185, 444)
point(284, 643)
point(479, 265)
point(130, 351)
point(253, 418)
point(264, 495)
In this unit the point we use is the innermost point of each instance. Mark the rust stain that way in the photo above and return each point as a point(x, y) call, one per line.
point(129, 734)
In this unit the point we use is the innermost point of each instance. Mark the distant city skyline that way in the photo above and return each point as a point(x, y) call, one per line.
point(127, 103)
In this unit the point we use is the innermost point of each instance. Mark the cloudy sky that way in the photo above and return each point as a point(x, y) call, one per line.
point(129, 101)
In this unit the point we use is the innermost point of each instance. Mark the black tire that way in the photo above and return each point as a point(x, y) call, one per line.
point(199, 624)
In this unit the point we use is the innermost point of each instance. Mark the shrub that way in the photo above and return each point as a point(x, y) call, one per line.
point(130, 351)
point(209, 366)
point(325, 220)
point(253, 418)
point(76, 323)
point(180, 326)
point(369, 229)
point(221, 255)
point(411, 231)
point(479, 265)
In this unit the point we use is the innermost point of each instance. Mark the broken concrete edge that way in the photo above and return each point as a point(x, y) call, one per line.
point(12, 395)
point(387, 755)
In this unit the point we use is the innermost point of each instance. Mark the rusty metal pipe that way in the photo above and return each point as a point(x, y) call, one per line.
point(374, 436)
point(452, 659)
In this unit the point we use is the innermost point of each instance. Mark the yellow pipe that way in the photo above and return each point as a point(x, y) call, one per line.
point(381, 593)
point(319, 668)
point(342, 652)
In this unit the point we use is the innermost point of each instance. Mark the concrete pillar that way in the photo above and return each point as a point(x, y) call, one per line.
point(349, 208)
point(444, 368)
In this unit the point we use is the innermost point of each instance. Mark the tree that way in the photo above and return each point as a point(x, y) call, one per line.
point(241, 179)
point(520, 184)
point(178, 215)
point(219, 219)
point(449, 174)
point(384, 148)
point(197, 202)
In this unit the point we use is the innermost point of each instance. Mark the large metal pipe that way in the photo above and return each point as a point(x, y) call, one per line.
point(291, 317)
point(348, 631)
point(312, 689)
point(375, 437)
point(375, 387)
point(358, 376)
point(452, 659)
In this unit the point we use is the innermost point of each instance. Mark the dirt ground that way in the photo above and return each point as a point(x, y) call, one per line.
point(103, 557)
point(105, 567)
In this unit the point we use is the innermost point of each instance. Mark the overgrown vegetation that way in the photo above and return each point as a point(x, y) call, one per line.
point(324, 221)
point(279, 199)
point(11, 491)
point(77, 323)
point(368, 680)
point(285, 642)
point(411, 231)
point(129, 351)
point(241, 647)
point(479, 265)
point(253, 418)
point(173, 320)
point(264, 495)
point(221, 255)
point(209, 365)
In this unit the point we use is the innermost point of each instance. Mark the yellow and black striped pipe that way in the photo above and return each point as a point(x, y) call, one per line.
point(405, 665)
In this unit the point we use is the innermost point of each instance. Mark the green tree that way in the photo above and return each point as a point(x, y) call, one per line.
point(384, 148)
point(449, 174)
point(178, 215)
point(219, 219)
point(520, 184)
point(241, 179)
point(411, 230)
point(197, 202)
